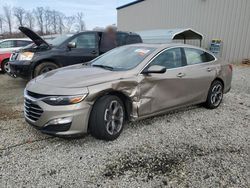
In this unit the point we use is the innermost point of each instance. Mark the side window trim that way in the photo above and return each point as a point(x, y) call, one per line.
point(184, 58)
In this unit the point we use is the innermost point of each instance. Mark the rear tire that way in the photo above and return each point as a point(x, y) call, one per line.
point(215, 95)
point(44, 68)
point(4, 66)
point(107, 118)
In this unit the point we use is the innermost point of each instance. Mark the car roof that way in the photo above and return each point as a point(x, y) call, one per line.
point(20, 39)
point(127, 32)
point(167, 45)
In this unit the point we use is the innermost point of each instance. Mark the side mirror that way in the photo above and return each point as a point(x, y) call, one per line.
point(156, 69)
point(71, 45)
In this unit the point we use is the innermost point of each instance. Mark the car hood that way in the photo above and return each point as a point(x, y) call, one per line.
point(33, 36)
point(77, 76)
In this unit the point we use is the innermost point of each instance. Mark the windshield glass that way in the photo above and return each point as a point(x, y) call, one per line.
point(59, 40)
point(123, 58)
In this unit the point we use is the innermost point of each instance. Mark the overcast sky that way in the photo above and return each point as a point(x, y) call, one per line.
point(96, 12)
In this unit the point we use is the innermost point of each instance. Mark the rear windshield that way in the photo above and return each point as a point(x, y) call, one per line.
point(123, 58)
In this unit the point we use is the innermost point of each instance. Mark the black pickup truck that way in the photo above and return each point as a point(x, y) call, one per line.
point(65, 50)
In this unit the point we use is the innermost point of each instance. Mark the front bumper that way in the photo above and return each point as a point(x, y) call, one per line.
point(39, 115)
point(20, 69)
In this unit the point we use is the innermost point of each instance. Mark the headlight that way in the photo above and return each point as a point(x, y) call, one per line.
point(64, 100)
point(24, 56)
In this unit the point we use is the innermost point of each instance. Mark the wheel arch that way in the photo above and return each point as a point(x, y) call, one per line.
point(219, 79)
point(3, 60)
point(43, 61)
point(127, 102)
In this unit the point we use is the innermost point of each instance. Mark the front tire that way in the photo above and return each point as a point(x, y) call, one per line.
point(215, 95)
point(44, 68)
point(107, 118)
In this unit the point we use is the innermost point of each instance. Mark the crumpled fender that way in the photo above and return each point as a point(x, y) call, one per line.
point(128, 87)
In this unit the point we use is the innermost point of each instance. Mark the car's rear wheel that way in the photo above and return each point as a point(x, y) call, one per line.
point(5, 66)
point(44, 68)
point(215, 95)
point(107, 118)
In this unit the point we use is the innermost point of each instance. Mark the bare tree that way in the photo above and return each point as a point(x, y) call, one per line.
point(8, 18)
point(54, 21)
point(60, 18)
point(29, 19)
point(19, 13)
point(80, 21)
point(39, 12)
point(69, 21)
point(47, 19)
point(1, 24)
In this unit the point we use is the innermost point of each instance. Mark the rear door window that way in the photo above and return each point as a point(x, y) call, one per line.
point(196, 56)
point(133, 39)
point(21, 43)
point(121, 38)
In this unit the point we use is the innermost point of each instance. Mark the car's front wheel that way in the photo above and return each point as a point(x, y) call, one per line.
point(107, 118)
point(215, 95)
point(44, 68)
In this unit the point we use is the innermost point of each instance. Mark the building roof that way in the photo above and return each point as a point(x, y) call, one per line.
point(129, 4)
point(167, 35)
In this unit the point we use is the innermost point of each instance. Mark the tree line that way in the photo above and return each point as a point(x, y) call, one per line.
point(42, 19)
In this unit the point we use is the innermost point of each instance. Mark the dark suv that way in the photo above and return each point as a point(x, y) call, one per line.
point(65, 50)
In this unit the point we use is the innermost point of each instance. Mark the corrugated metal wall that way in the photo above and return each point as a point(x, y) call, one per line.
point(228, 20)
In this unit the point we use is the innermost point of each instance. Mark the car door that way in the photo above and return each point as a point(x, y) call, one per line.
point(200, 73)
point(161, 91)
point(86, 48)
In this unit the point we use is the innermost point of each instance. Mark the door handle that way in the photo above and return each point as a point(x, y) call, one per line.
point(180, 75)
point(209, 69)
point(93, 52)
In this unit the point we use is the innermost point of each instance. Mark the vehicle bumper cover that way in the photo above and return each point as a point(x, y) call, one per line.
point(78, 113)
point(20, 69)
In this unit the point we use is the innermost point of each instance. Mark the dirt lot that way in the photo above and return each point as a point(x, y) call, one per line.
point(192, 147)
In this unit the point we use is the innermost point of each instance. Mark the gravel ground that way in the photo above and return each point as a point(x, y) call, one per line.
point(191, 147)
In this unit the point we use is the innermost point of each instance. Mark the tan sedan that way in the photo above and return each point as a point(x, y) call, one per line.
point(127, 83)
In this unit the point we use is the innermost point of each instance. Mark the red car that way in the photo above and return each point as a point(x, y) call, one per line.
point(7, 46)
point(4, 58)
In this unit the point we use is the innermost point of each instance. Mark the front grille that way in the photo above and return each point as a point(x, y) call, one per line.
point(31, 110)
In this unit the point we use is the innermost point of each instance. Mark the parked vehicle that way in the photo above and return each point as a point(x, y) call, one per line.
point(7, 46)
point(63, 51)
point(128, 83)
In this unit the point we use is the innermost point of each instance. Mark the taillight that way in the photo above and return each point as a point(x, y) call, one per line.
point(231, 67)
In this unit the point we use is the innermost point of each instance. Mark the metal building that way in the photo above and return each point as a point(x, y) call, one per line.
point(228, 20)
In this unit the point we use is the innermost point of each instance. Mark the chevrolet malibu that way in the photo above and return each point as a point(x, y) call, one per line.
point(126, 84)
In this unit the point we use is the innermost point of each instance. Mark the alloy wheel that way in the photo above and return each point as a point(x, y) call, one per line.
point(114, 117)
point(6, 67)
point(46, 69)
point(217, 94)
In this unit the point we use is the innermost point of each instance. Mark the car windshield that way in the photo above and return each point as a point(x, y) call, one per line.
point(59, 40)
point(123, 58)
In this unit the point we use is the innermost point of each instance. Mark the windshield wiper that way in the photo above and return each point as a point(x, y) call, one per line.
point(104, 67)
